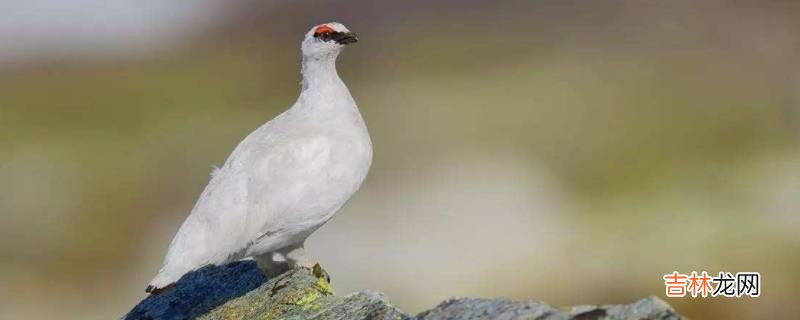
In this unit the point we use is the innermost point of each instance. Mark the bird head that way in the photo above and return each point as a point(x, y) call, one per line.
point(327, 40)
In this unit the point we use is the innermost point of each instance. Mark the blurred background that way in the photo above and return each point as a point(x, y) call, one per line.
point(566, 151)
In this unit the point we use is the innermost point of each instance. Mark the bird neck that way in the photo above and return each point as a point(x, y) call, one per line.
point(322, 90)
point(319, 73)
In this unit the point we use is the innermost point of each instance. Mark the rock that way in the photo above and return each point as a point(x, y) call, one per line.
point(650, 308)
point(199, 292)
point(298, 294)
point(239, 291)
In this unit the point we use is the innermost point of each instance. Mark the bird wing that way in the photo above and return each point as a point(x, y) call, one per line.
point(268, 192)
point(285, 189)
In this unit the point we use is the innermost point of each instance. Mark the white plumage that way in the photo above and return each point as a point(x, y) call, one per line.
point(285, 179)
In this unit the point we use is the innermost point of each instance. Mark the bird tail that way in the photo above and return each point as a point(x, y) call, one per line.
point(162, 282)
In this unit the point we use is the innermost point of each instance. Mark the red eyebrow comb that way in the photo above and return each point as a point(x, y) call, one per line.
point(323, 28)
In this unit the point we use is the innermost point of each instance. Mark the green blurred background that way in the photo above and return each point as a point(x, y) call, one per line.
point(566, 151)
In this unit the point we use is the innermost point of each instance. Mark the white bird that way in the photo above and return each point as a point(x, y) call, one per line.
point(285, 179)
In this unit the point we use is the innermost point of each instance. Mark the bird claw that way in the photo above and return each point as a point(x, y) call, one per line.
point(320, 273)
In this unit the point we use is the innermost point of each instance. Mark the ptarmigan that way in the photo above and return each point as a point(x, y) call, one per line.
point(285, 179)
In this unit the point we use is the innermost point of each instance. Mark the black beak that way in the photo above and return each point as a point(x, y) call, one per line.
point(344, 38)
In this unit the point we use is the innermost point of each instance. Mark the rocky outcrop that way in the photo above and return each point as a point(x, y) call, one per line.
point(240, 291)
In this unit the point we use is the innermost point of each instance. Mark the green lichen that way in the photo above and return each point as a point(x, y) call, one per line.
point(307, 301)
point(324, 286)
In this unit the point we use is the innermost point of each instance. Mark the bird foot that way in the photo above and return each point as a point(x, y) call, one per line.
point(320, 273)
